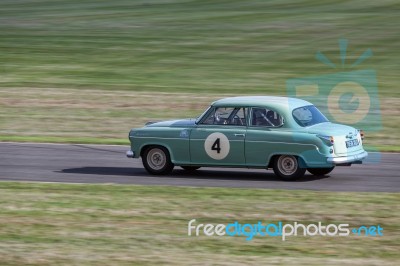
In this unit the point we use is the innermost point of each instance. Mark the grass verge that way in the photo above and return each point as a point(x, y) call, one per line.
point(43, 139)
point(53, 224)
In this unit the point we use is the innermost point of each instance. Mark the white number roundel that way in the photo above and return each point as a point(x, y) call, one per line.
point(217, 146)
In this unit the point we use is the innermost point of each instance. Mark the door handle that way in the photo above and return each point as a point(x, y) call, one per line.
point(239, 135)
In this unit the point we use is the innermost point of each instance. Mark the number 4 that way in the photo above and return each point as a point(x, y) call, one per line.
point(216, 146)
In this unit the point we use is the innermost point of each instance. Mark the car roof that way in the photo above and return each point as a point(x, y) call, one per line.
point(269, 101)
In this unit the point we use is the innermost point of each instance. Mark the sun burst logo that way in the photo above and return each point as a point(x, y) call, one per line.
point(343, 52)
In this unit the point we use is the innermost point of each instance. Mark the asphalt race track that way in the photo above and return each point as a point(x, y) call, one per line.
point(108, 164)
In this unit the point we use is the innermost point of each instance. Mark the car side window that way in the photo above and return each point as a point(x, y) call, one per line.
point(226, 116)
point(239, 118)
point(263, 117)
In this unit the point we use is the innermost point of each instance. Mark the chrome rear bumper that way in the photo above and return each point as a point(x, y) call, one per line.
point(130, 154)
point(347, 159)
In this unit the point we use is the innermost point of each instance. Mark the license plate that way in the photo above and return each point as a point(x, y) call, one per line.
point(352, 143)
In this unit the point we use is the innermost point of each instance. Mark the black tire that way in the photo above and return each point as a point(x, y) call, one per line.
point(157, 161)
point(287, 167)
point(190, 168)
point(320, 171)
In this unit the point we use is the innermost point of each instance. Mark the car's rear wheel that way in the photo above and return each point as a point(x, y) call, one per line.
point(288, 167)
point(320, 171)
point(190, 168)
point(156, 160)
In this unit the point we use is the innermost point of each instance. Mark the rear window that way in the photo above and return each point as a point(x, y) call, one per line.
point(308, 115)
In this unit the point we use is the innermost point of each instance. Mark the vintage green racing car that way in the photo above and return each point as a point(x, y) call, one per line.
point(288, 135)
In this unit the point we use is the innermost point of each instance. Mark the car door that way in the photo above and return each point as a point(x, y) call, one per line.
point(219, 138)
point(265, 136)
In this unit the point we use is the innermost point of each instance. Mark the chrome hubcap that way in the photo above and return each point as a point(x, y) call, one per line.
point(156, 159)
point(287, 165)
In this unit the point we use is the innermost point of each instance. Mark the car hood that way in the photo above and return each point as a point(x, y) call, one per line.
point(331, 129)
point(174, 123)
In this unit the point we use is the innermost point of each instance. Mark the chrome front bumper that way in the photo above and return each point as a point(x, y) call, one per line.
point(348, 159)
point(130, 154)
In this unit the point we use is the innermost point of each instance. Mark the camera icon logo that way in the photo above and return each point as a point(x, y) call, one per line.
point(345, 97)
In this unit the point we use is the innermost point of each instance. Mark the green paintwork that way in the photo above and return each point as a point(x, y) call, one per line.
point(250, 146)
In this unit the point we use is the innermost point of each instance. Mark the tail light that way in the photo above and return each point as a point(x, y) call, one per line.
point(329, 140)
point(361, 133)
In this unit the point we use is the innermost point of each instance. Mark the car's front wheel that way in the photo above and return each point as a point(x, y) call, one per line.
point(288, 167)
point(156, 160)
point(320, 171)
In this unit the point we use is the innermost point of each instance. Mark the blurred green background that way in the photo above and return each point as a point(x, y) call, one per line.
point(111, 53)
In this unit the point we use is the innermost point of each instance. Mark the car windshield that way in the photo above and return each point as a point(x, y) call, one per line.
point(308, 115)
point(198, 118)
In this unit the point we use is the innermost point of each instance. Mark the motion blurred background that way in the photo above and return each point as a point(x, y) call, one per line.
point(83, 71)
point(88, 71)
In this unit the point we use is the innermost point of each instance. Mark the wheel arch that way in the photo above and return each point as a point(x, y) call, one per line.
point(145, 146)
point(273, 156)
